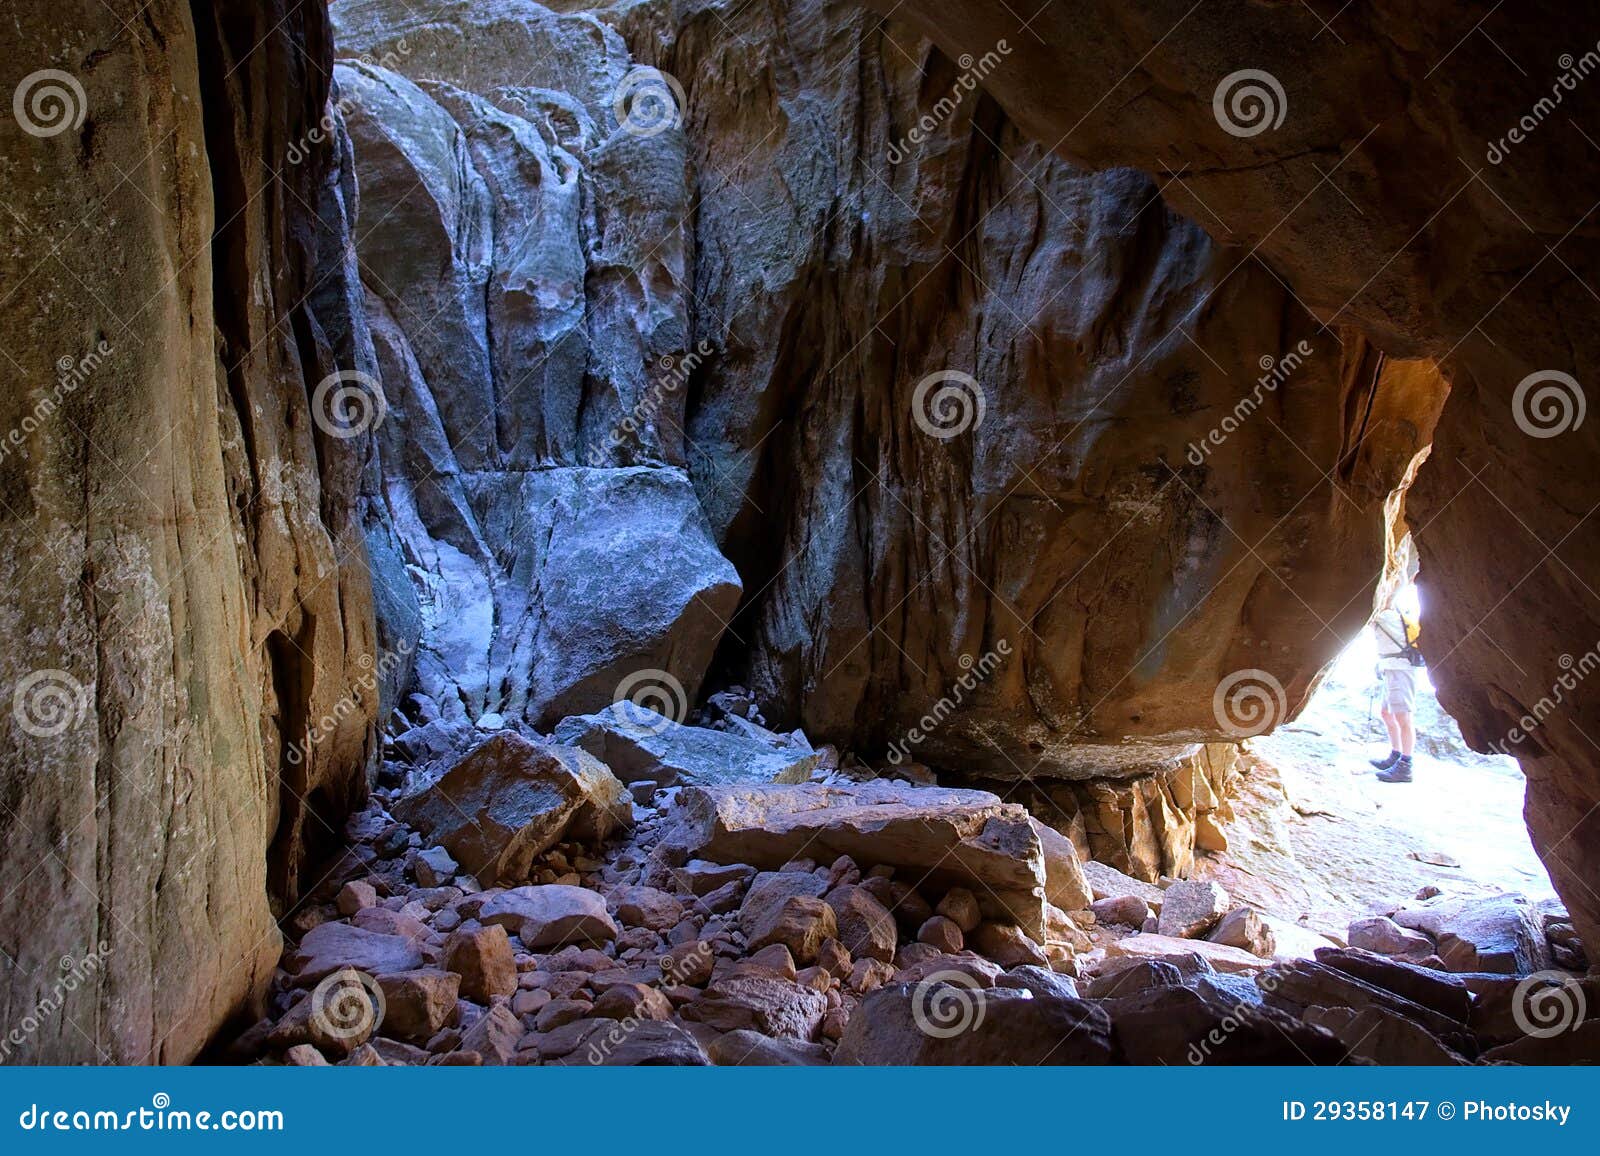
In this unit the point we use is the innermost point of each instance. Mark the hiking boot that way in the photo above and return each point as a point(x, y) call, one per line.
point(1387, 761)
point(1399, 773)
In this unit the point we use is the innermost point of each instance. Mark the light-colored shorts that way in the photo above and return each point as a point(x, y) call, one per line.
point(1400, 690)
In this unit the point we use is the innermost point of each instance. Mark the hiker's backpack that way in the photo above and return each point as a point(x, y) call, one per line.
point(1407, 645)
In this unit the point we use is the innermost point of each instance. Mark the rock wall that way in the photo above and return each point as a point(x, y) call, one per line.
point(186, 605)
point(1427, 180)
point(822, 260)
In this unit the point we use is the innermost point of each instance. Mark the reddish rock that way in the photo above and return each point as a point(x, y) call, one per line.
point(483, 959)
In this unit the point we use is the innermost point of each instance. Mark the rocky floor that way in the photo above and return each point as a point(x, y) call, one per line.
point(519, 905)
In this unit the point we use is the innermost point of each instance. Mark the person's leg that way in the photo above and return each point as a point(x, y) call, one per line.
point(1402, 697)
point(1393, 727)
point(1407, 733)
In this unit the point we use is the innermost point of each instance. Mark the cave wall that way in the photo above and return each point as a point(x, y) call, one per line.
point(181, 545)
point(817, 264)
point(1427, 175)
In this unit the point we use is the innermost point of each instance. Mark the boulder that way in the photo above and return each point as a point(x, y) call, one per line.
point(1191, 908)
point(494, 1035)
point(646, 907)
point(1493, 933)
point(1146, 946)
point(418, 1003)
point(482, 958)
point(512, 799)
point(1127, 910)
point(1244, 928)
point(936, 1022)
point(1065, 884)
point(644, 1043)
point(639, 743)
point(951, 837)
point(865, 926)
point(632, 1001)
point(1109, 883)
point(941, 933)
point(551, 915)
point(1383, 1036)
point(1007, 945)
point(1444, 993)
point(1177, 1025)
point(747, 1049)
point(329, 947)
point(960, 906)
point(801, 923)
point(760, 1003)
point(1041, 981)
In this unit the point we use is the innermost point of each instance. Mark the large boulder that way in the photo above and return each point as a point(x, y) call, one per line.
point(948, 838)
point(944, 1021)
point(1493, 933)
point(640, 743)
point(510, 800)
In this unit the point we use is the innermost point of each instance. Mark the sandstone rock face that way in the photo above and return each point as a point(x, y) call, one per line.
point(192, 676)
point(958, 838)
point(1309, 193)
point(989, 593)
point(638, 743)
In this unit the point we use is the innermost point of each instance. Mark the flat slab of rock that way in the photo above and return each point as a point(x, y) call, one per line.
point(1492, 933)
point(1191, 908)
point(956, 838)
point(1228, 960)
point(637, 743)
point(934, 1023)
point(551, 915)
point(329, 947)
point(1108, 883)
point(510, 800)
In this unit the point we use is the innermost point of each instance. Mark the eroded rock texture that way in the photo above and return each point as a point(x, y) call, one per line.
point(816, 266)
point(1393, 197)
point(180, 546)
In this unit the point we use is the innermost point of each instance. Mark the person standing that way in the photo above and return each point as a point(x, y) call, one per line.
point(1397, 670)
